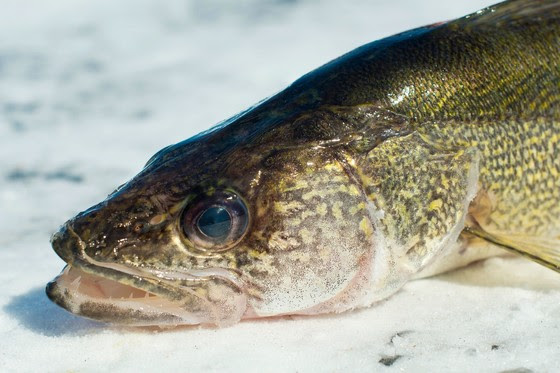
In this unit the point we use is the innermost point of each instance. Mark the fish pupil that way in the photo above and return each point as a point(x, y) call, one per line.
point(215, 222)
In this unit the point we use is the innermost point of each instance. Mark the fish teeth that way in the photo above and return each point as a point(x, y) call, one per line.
point(76, 281)
point(74, 285)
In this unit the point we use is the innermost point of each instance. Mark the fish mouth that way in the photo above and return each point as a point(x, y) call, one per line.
point(120, 294)
point(103, 299)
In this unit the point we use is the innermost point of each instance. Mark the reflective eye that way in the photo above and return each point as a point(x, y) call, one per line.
point(215, 222)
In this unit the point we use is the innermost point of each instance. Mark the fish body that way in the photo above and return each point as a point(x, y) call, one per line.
point(404, 158)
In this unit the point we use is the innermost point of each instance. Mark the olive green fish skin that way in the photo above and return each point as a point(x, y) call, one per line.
point(358, 175)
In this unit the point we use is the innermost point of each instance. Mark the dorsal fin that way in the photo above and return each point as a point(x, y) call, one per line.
point(510, 12)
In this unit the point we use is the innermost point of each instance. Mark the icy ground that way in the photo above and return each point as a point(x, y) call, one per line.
point(89, 90)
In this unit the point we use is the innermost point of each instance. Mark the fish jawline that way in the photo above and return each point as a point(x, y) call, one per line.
point(103, 299)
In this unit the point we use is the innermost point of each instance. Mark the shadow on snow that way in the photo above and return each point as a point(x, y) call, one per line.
point(37, 313)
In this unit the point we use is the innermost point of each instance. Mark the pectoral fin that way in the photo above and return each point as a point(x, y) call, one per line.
point(541, 250)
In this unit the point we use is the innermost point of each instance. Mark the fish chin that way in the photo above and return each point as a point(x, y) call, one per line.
point(104, 299)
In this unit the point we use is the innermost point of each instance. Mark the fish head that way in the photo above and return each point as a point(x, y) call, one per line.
point(225, 226)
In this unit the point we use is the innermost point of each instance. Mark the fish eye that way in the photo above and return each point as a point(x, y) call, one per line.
point(216, 222)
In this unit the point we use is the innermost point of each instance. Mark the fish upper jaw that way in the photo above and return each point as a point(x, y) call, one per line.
point(66, 243)
point(117, 293)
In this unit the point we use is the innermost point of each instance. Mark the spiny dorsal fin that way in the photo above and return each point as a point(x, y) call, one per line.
point(510, 12)
point(542, 251)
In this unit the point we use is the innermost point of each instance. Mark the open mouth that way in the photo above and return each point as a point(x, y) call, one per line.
point(104, 299)
point(92, 287)
point(108, 300)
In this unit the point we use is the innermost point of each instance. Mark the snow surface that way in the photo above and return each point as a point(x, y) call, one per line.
point(89, 90)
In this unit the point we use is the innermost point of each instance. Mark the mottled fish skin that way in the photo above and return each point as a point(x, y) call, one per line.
point(358, 177)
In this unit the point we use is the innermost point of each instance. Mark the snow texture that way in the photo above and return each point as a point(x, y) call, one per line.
point(89, 90)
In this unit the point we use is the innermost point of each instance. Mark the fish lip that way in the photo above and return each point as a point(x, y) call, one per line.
point(56, 296)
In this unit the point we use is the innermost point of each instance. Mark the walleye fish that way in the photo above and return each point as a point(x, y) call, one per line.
point(406, 157)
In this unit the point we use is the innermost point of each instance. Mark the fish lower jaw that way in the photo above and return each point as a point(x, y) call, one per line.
point(107, 300)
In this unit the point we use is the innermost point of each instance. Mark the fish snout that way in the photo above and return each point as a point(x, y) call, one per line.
point(66, 243)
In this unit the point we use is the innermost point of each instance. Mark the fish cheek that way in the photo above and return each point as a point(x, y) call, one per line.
point(216, 302)
point(311, 232)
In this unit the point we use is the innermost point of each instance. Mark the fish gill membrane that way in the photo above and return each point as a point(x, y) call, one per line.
point(407, 157)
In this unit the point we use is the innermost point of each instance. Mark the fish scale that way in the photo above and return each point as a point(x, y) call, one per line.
point(519, 167)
